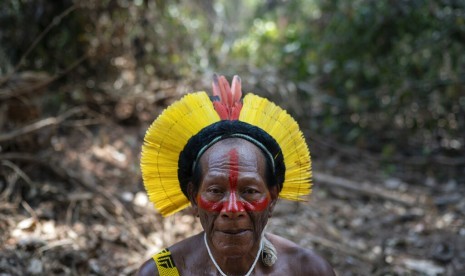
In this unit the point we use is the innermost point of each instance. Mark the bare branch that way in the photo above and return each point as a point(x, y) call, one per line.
point(15, 93)
point(367, 190)
point(52, 24)
point(52, 121)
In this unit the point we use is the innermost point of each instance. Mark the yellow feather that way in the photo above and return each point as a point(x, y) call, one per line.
point(284, 129)
point(170, 132)
point(163, 142)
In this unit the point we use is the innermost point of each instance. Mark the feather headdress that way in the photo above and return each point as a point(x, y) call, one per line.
point(169, 134)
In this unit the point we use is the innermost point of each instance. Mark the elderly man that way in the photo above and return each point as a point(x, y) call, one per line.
point(230, 160)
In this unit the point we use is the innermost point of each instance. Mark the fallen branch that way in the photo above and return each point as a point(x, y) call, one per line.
point(15, 93)
point(111, 202)
point(12, 180)
point(57, 243)
point(120, 211)
point(370, 190)
point(52, 121)
point(29, 128)
point(337, 246)
point(356, 154)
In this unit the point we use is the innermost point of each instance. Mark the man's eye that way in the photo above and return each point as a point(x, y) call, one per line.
point(214, 191)
point(251, 191)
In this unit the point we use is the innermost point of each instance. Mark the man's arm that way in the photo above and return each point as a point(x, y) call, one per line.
point(312, 264)
point(149, 268)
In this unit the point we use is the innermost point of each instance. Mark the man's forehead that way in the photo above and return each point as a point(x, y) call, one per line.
point(233, 154)
point(233, 146)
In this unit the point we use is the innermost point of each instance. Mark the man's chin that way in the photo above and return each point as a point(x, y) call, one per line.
point(233, 244)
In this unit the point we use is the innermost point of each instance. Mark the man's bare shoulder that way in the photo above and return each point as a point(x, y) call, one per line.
point(182, 248)
point(309, 262)
point(148, 268)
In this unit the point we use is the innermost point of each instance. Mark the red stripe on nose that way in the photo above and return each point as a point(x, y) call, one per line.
point(233, 205)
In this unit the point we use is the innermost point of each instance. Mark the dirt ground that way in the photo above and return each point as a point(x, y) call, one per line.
point(79, 208)
point(72, 200)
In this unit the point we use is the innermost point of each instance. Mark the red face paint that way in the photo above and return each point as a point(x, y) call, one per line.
point(210, 206)
point(232, 203)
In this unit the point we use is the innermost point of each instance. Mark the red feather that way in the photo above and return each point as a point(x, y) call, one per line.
point(227, 100)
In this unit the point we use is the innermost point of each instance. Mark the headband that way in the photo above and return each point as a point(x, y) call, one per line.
point(236, 135)
point(164, 162)
point(225, 129)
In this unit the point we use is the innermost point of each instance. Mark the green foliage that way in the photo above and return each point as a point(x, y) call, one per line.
point(23, 21)
point(386, 76)
point(390, 75)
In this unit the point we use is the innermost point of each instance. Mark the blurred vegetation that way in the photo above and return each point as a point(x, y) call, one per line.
point(384, 77)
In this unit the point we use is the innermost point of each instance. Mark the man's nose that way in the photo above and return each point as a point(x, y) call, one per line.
point(233, 207)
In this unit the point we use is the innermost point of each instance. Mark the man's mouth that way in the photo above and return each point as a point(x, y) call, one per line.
point(234, 231)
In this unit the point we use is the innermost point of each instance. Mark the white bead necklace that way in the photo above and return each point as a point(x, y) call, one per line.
point(218, 267)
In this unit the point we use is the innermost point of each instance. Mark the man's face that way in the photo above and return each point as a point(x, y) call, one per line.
point(233, 200)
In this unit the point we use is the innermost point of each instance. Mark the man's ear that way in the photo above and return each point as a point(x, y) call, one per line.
point(274, 198)
point(192, 196)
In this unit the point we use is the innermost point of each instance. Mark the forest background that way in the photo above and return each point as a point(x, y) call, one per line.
point(378, 88)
